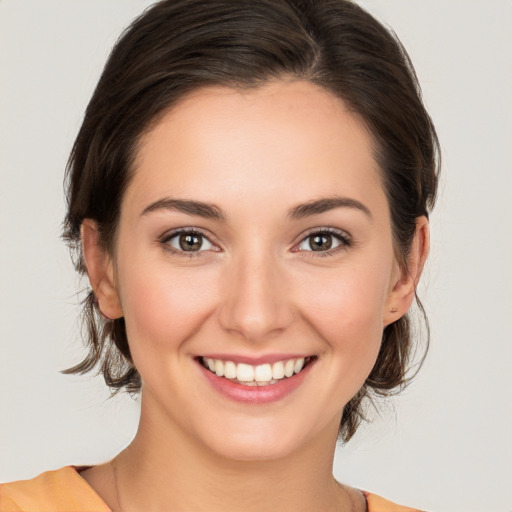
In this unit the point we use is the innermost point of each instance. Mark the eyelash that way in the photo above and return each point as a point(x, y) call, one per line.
point(167, 237)
point(344, 239)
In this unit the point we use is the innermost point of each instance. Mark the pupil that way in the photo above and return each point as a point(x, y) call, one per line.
point(321, 242)
point(190, 242)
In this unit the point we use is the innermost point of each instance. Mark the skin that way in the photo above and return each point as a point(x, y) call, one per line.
point(255, 288)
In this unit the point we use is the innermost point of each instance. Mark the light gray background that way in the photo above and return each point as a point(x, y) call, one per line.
point(446, 444)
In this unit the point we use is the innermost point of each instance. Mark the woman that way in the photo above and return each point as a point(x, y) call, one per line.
point(249, 196)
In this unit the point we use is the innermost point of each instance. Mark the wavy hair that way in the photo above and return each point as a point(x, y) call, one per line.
point(178, 46)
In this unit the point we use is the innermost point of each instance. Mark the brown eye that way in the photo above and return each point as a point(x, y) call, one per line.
point(320, 242)
point(324, 241)
point(189, 242)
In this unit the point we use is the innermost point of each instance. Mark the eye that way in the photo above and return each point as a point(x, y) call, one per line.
point(324, 241)
point(188, 241)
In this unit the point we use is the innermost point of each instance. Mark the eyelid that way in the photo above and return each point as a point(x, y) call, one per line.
point(343, 236)
point(168, 235)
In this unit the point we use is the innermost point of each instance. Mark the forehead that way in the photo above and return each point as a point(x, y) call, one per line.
point(286, 139)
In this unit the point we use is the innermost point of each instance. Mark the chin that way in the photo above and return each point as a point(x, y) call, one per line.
point(259, 440)
point(250, 448)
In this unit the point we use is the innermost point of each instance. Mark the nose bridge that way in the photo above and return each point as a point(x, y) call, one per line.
point(255, 302)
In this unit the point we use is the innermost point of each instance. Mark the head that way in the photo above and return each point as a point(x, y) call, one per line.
point(180, 52)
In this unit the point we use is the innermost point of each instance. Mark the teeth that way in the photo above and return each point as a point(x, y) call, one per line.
point(230, 370)
point(261, 375)
point(219, 368)
point(278, 370)
point(288, 368)
point(245, 372)
point(298, 365)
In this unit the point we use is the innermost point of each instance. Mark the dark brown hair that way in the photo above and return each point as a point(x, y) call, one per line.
point(178, 46)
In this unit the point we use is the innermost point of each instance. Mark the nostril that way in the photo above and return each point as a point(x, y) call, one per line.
point(255, 304)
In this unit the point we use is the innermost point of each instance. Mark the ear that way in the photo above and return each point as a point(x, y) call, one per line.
point(100, 270)
point(405, 280)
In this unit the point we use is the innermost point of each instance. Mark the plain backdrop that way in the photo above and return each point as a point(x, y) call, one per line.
point(446, 444)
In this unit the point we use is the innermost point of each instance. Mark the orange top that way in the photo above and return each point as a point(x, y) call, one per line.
point(65, 490)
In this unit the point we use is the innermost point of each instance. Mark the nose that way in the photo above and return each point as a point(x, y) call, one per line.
point(256, 301)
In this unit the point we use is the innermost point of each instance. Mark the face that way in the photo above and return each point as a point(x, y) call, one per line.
point(254, 240)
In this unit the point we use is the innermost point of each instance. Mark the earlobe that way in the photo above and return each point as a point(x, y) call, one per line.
point(100, 270)
point(404, 285)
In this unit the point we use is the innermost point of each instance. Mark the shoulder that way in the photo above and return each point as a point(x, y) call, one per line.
point(379, 504)
point(53, 491)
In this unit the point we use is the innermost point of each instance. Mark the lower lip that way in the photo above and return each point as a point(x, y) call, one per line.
point(256, 394)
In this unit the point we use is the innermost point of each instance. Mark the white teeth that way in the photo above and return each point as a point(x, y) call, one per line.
point(261, 375)
point(230, 370)
point(288, 368)
point(298, 365)
point(244, 372)
point(278, 370)
point(219, 368)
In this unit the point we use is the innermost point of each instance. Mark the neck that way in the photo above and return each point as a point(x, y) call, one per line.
point(164, 469)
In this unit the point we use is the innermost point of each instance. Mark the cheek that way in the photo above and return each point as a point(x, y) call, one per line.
point(346, 310)
point(162, 308)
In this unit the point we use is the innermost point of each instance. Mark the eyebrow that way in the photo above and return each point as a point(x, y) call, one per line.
point(325, 204)
point(205, 210)
point(211, 211)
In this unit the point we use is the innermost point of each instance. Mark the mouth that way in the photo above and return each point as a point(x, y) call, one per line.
point(266, 374)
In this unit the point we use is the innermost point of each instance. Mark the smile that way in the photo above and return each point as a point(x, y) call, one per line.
point(261, 375)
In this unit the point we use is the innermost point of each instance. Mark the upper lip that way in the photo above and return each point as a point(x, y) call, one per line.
point(255, 360)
